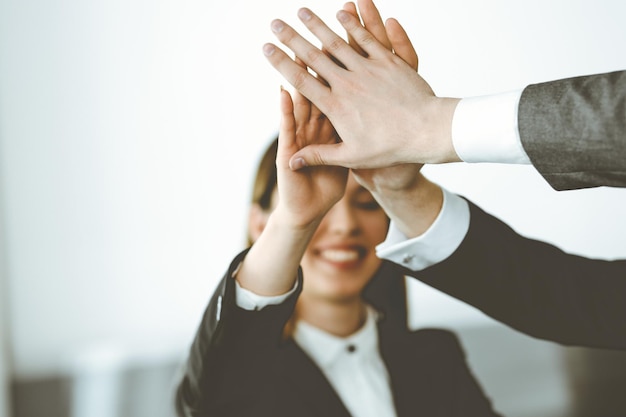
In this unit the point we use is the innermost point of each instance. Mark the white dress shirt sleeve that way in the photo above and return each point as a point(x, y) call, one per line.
point(248, 300)
point(433, 246)
point(484, 129)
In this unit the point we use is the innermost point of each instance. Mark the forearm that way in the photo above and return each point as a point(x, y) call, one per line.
point(414, 207)
point(574, 130)
point(533, 286)
point(270, 267)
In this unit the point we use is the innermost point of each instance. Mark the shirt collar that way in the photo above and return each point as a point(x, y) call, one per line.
point(325, 348)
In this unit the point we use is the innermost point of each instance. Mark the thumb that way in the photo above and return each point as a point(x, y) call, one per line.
point(315, 155)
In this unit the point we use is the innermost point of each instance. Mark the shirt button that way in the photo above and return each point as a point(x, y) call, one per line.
point(407, 258)
point(351, 348)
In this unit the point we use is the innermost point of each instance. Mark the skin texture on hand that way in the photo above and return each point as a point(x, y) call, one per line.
point(393, 36)
point(384, 112)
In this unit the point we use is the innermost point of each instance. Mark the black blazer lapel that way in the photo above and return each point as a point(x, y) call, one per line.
point(429, 375)
point(410, 392)
point(308, 384)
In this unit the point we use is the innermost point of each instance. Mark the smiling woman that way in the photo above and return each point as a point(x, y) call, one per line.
point(330, 338)
point(125, 126)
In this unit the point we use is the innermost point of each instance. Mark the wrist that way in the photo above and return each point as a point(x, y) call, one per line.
point(413, 209)
point(441, 139)
point(284, 222)
point(270, 267)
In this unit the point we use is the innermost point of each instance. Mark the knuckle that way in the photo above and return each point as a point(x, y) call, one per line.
point(318, 158)
point(299, 80)
point(313, 56)
point(335, 44)
point(366, 39)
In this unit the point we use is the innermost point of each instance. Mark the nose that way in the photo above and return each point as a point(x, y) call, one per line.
point(342, 219)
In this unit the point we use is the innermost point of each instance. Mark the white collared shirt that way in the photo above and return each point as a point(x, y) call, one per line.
point(352, 365)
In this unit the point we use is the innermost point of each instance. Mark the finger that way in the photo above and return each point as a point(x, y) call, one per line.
point(316, 114)
point(401, 43)
point(287, 130)
point(302, 106)
point(361, 36)
point(313, 57)
point(332, 43)
point(314, 155)
point(373, 22)
point(351, 8)
point(297, 76)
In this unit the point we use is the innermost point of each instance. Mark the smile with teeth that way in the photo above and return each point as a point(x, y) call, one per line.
point(340, 255)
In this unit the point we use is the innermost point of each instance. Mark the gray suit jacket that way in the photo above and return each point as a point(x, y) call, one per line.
point(574, 130)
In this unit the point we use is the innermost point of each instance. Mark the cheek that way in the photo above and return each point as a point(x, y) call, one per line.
point(376, 226)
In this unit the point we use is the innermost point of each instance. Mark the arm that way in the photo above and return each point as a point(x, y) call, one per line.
point(231, 353)
point(304, 197)
point(574, 130)
point(534, 287)
point(529, 285)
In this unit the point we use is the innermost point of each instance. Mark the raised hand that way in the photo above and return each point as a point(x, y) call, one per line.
point(393, 36)
point(384, 112)
point(305, 196)
point(408, 198)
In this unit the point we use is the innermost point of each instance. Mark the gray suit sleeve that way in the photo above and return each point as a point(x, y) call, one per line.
point(574, 130)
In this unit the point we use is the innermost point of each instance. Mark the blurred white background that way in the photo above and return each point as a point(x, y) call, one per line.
point(129, 132)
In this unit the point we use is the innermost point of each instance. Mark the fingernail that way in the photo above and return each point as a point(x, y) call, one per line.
point(277, 26)
point(297, 164)
point(304, 14)
point(342, 16)
point(268, 49)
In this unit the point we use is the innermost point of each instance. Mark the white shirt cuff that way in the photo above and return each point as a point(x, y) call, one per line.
point(440, 241)
point(248, 300)
point(484, 129)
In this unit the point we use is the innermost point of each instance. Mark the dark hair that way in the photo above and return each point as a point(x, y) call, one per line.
point(264, 182)
point(265, 178)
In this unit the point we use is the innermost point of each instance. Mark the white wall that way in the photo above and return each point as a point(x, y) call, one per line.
point(4, 358)
point(130, 129)
point(5, 370)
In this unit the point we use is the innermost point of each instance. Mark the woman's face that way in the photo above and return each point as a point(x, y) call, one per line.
point(341, 257)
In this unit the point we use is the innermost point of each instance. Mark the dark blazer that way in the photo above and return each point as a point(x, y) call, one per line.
point(574, 130)
point(240, 364)
point(533, 286)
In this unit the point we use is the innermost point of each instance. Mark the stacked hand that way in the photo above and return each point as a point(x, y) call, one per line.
point(384, 112)
point(393, 37)
point(407, 197)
